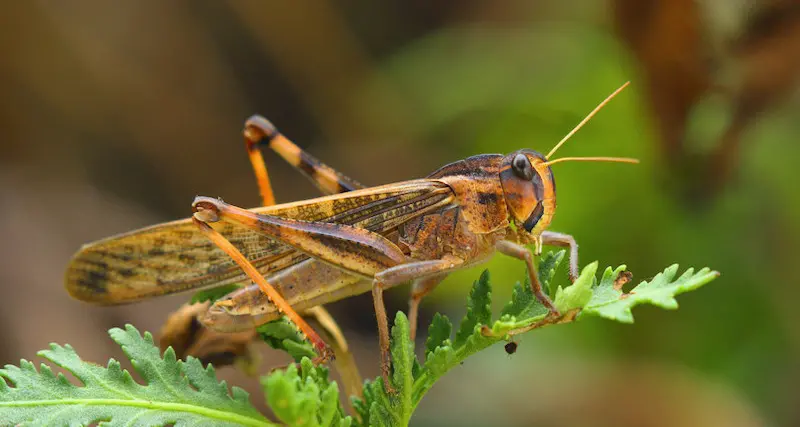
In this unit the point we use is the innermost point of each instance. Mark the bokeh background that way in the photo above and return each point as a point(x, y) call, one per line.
point(114, 115)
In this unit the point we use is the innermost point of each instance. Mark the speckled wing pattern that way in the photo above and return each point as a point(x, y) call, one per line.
point(175, 256)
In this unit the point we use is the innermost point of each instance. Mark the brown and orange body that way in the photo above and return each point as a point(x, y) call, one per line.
point(305, 254)
point(475, 215)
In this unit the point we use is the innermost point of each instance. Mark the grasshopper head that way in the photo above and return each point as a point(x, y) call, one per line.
point(529, 190)
point(528, 184)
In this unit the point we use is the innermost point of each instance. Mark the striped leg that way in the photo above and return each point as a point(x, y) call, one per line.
point(201, 218)
point(259, 132)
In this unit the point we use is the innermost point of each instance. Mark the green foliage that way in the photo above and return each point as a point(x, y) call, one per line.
point(212, 294)
point(185, 393)
point(613, 304)
point(175, 392)
point(282, 334)
point(305, 397)
point(412, 379)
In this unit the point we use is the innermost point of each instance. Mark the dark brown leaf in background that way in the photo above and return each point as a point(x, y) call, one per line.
point(666, 37)
point(768, 58)
point(669, 39)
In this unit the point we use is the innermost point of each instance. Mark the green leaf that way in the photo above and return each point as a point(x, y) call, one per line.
point(282, 334)
point(579, 293)
point(185, 393)
point(477, 332)
point(212, 294)
point(479, 309)
point(523, 304)
point(174, 392)
point(438, 333)
point(547, 270)
point(305, 397)
point(613, 304)
point(380, 408)
point(403, 359)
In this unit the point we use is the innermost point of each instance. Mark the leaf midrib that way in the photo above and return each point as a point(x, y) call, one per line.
point(147, 404)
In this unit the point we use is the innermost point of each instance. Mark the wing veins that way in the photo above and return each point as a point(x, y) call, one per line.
point(157, 259)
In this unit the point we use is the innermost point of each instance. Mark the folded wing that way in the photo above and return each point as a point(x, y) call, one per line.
point(175, 256)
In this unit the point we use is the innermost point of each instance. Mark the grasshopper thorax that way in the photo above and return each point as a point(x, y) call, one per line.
point(529, 189)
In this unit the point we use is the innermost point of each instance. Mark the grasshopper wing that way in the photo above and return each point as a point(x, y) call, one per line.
point(175, 256)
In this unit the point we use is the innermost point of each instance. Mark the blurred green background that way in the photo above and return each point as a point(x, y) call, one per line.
point(114, 115)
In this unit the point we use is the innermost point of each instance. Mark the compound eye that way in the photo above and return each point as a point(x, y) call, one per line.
point(522, 167)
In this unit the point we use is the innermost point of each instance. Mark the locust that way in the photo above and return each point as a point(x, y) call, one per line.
point(291, 258)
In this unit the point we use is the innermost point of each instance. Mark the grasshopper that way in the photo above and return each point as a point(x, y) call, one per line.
point(354, 240)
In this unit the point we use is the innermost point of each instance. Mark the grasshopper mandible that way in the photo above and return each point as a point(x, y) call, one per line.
point(304, 254)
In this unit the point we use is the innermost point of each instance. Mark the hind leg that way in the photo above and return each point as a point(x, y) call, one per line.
point(260, 132)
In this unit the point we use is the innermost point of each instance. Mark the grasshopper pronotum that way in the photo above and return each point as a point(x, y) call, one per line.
point(308, 253)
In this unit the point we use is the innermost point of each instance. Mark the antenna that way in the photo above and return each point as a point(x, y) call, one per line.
point(586, 119)
point(593, 159)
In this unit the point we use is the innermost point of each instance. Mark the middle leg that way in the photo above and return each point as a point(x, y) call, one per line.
point(419, 289)
point(421, 270)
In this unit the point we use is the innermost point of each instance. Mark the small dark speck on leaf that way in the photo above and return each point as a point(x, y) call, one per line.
point(622, 279)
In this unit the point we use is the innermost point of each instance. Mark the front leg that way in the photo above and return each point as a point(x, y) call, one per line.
point(521, 252)
point(553, 238)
